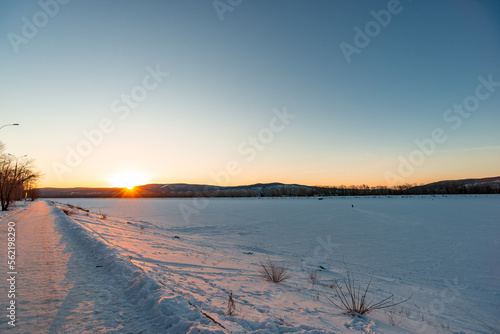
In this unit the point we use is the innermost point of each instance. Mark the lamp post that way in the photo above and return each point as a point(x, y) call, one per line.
point(13, 124)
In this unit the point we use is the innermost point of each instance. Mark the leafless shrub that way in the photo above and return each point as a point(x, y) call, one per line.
point(231, 306)
point(315, 276)
point(353, 301)
point(405, 311)
point(393, 319)
point(273, 272)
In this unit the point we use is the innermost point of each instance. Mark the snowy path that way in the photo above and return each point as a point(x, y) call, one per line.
point(60, 287)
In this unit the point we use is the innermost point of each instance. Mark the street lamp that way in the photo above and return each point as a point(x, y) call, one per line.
point(17, 158)
point(13, 124)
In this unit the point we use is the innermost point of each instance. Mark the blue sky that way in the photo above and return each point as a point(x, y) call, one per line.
point(354, 122)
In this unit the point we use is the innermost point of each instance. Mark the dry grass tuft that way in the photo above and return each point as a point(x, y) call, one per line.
point(273, 272)
point(353, 301)
point(231, 306)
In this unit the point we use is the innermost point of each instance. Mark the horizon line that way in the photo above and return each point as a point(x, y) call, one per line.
point(266, 183)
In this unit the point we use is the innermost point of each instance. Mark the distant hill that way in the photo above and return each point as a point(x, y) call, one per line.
point(469, 182)
point(466, 186)
point(79, 192)
point(483, 185)
point(183, 190)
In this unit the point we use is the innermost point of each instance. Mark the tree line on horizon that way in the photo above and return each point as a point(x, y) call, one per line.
point(451, 188)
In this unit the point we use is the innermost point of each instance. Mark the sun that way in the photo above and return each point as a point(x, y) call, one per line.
point(128, 180)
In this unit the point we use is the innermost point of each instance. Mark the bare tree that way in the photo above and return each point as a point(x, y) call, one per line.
point(15, 175)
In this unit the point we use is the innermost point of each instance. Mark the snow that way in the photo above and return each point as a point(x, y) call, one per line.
point(169, 265)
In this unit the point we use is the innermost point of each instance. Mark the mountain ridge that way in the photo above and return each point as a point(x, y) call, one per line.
point(273, 189)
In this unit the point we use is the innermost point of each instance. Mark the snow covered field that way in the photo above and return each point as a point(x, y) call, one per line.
point(444, 251)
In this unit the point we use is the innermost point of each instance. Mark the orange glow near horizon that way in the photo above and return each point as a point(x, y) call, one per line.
point(131, 180)
point(369, 171)
point(128, 180)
